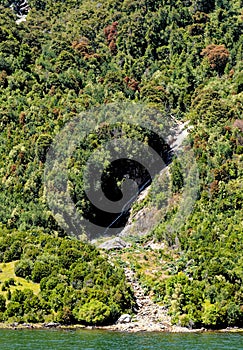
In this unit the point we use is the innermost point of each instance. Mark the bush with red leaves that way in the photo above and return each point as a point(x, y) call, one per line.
point(111, 34)
point(217, 56)
point(131, 83)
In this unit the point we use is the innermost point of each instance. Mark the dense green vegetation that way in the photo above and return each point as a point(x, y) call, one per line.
point(77, 284)
point(182, 57)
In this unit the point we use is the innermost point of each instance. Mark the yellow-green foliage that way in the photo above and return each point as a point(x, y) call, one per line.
point(7, 272)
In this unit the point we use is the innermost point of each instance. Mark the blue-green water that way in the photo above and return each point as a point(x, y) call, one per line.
point(100, 340)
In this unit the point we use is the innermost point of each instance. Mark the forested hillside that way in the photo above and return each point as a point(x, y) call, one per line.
point(183, 58)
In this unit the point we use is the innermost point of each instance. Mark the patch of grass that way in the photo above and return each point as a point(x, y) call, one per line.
point(7, 272)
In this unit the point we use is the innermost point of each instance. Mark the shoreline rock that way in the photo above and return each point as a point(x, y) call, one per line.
point(132, 327)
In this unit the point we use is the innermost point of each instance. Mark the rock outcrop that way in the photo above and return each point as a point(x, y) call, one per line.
point(143, 221)
point(124, 319)
point(114, 243)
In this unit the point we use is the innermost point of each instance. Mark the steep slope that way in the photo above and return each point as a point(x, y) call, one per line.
point(183, 58)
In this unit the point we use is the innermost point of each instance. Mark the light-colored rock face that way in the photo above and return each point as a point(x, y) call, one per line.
point(124, 319)
point(141, 223)
point(115, 243)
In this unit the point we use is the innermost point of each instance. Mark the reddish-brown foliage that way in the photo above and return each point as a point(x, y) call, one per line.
point(214, 187)
point(227, 128)
point(22, 118)
point(231, 73)
point(13, 168)
point(217, 56)
point(84, 48)
point(111, 35)
point(132, 84)
point(81, 45)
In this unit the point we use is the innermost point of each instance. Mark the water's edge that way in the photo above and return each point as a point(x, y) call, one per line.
point(114, 328)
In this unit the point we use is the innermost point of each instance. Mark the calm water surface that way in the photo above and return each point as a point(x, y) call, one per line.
point(101, 340)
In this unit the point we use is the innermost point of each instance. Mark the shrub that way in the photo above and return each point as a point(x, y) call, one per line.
point(23, 268)
point(94, 312)
point(14, 251)
point(14, 308)
point(2, 303)
point(40, 270)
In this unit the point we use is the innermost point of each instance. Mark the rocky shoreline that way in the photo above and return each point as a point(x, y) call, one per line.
point(132, 327)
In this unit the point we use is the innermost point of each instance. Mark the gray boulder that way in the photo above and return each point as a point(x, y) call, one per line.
point(51, 325)
point(124, 319)
point(115, 243)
